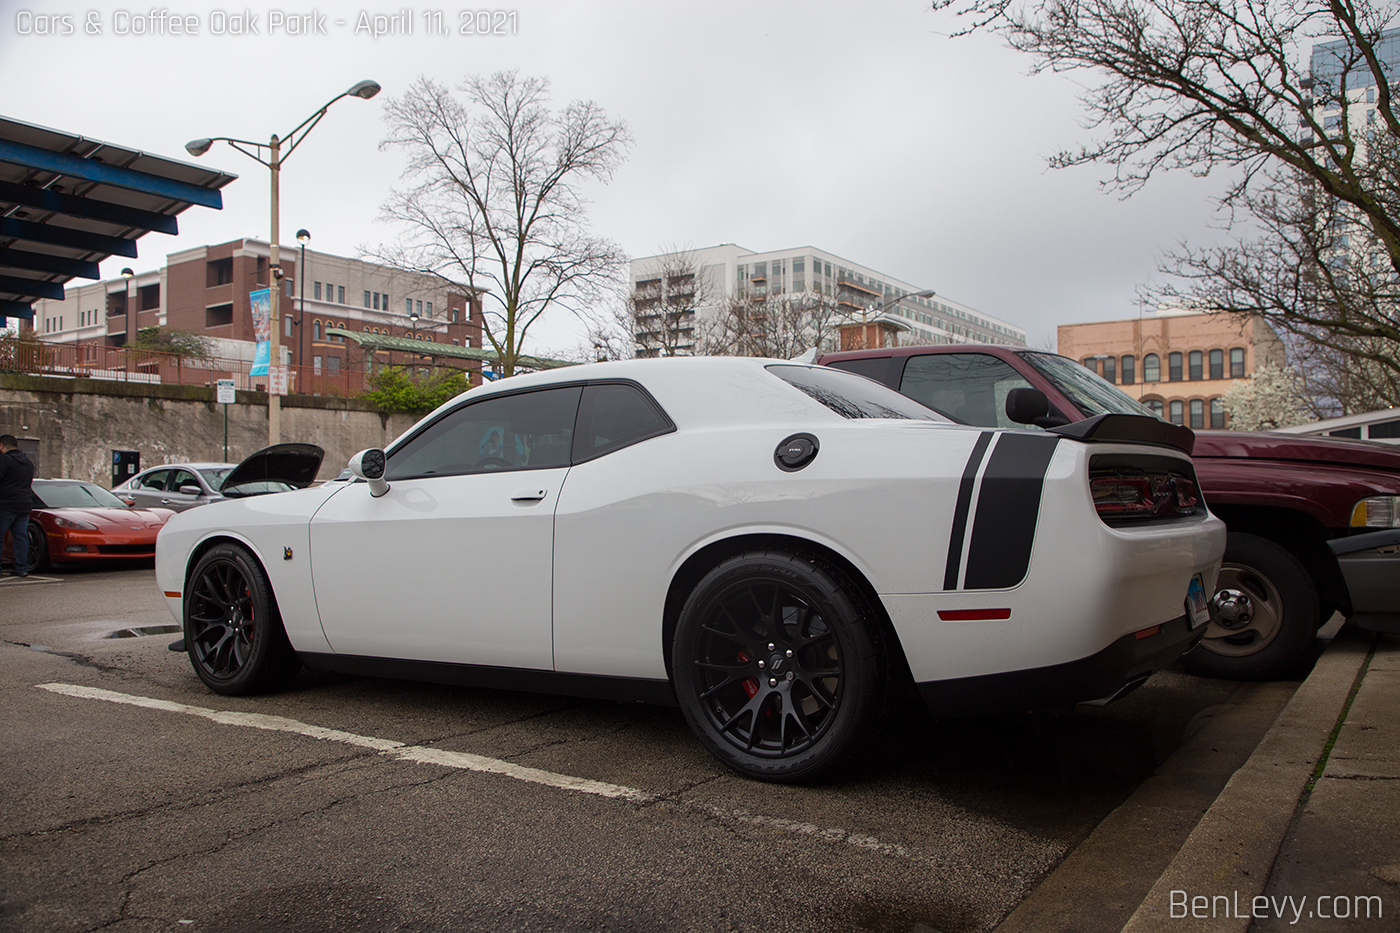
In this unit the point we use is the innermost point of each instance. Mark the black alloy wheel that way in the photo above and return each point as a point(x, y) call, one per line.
point(1264, 615)
point(778, 665)
point(233, 632)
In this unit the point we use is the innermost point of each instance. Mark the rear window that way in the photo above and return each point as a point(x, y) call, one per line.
point(852, 396)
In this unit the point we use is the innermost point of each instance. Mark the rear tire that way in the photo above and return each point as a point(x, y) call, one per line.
point(1264, 615)
point(780, 666)
point(233, 631)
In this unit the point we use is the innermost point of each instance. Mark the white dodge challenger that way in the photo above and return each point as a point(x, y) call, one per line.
point(777, 548)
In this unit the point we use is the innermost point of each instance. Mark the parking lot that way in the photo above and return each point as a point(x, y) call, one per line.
point(138, 800)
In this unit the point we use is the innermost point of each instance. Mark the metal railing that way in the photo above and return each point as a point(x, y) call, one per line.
point(122, 364)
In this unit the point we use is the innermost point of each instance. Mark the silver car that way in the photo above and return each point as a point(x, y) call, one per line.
point(181, 486)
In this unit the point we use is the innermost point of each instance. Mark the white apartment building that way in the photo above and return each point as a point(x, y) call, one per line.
point(730, 271)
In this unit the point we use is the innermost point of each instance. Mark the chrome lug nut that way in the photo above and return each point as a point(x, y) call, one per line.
point(789, 675)
point(772, 681)
point(761, 665)
point(789, 652)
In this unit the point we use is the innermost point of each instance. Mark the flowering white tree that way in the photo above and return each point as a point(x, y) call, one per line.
point(1272, 398)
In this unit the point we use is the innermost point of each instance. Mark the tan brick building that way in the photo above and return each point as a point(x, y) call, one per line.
point(1178, 363)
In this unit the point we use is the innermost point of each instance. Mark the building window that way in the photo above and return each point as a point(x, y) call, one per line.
point(1217, 414)
point(376, 297)
point(218, 315)
point(1198, 414)
point(1110, 369)
point(430, 309)
point(316, 332)
point(1194, 361)
point(340, 294)
point(1154, 405)
point(1237, 363)
point(376, 301)
point(1091, 363)
point(1176, 410)
point(287, 325)
point(316, 360)
point(316, 290)
point(1129, 367)
point(408, 306)
point(1217, 364)
point(218, 272)
point(1151, 368)
point(420, 307)
point(1174, 367)
point(333, 366)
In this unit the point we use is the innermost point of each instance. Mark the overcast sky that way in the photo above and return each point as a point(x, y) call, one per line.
point(863, 130)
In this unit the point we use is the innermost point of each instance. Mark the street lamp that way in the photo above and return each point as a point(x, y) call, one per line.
point(303, 235)
point(878, 311)
point(197, 147)
point(130, 338)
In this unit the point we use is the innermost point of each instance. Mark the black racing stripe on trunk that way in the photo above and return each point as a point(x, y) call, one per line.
point(1007, 509)
point(955, 540)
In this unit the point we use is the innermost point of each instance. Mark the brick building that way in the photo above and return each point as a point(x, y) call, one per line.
point(1176, 362)
point(206, 291)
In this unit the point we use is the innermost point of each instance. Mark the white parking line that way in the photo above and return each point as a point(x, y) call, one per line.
point(419, 753)
point(466, 761)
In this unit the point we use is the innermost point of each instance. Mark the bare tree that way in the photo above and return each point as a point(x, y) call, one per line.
point(1203, 85)
point(493, 198)
point(777, 325)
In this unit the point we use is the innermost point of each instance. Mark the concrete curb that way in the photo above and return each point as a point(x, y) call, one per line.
point(1232, 850)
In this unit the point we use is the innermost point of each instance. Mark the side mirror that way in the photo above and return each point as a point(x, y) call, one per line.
point(130, 502)
point(368, 465)
point(191, 490)
point(1031, 406)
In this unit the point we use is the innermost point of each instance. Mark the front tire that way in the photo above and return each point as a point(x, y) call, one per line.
point(1264, 615)
point(779, 664)
point(38, 549)
point(233, 631)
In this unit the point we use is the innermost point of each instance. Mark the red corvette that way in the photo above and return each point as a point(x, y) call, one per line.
point(75, 520)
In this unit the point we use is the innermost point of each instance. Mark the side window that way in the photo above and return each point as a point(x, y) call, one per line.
point(970, 387)
point(616, 415)
point(180, 478)
point(154, 480)
point(529, 430)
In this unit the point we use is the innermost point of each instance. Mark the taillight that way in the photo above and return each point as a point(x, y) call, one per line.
point(1135, 495)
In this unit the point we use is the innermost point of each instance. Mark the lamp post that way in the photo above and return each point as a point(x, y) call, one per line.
point(413, 357)
point(303, 236)
point(276, 154)
point(130, 330)
point(885, 306)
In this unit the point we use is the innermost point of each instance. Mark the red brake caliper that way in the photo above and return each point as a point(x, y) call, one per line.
point(751, 685)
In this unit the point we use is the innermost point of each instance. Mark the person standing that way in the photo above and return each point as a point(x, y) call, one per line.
point(16, 477)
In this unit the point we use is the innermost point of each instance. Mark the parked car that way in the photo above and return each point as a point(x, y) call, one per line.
point(1314, 522)
point(76, 521)
point(181, 486)
point(776, 547)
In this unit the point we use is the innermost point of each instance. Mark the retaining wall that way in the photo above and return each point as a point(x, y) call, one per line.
point(71, 426)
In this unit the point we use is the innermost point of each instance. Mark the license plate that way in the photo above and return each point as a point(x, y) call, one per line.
point(1196, 606)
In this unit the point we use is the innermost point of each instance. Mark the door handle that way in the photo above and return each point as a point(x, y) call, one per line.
point(165, 502)
point(531, 494)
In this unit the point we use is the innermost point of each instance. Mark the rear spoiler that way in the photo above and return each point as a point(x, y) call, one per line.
point(1133, 429)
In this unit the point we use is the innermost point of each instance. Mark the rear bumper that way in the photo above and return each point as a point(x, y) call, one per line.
point(1106, 674)
point(1370, 564)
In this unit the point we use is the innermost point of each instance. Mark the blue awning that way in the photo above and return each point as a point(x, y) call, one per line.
point(68, 202)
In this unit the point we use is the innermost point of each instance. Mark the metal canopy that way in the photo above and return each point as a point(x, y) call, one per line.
point(68, 202)
point(440, 350)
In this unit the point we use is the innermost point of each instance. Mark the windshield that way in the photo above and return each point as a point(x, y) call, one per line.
point(1093, 394)
point(215, 476)
point(75, 496)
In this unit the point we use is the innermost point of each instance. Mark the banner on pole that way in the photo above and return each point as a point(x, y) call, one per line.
point(261, 303)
